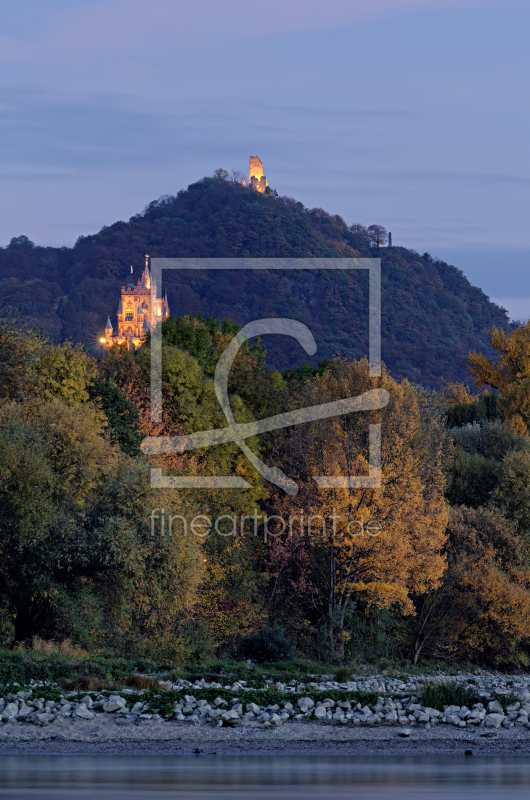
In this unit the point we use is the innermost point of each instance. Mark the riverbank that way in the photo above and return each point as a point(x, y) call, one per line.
point(101, 735)
point(442, 715)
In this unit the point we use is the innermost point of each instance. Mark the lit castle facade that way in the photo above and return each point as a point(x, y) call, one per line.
point(139, 310)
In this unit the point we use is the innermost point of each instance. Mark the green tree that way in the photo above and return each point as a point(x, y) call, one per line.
point(480, 453)
point(78, 554)
point(17, 354)
point(65, 371)
point(21, 241)
point(122, 414)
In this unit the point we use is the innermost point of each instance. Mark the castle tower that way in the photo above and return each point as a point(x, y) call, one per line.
point(139, 310)
point(256, 178)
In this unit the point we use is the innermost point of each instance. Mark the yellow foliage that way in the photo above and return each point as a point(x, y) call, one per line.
point(509, 374)
point(405, 557)
point(455, 393)
point(482, 608)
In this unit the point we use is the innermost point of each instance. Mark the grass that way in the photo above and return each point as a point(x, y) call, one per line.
point(507, 699)
point(219, 671)
point(449, 693)
point(21, 666)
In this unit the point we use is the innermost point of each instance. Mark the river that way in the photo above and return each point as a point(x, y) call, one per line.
point(54, 777)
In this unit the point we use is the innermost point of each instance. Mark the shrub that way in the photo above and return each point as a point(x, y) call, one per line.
point(89, 683)
point(449, 693)
point(268, 644)
point(25, 665)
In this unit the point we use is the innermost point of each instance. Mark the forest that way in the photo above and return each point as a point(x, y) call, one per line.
point(432, 566)
point(432, 316)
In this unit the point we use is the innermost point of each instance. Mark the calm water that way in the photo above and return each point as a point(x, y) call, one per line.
point(249, 778)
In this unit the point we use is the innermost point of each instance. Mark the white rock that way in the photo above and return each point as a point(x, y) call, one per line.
point(253, 708)
point(432, 712)
point(494, 720)
point(305, 704)
point(114, 703)
point(10, 710)
point(494, 707)
point(83, 712)
point(320, 712)
point(109, 707)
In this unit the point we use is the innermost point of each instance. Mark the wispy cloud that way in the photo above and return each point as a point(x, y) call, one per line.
point(137, 28)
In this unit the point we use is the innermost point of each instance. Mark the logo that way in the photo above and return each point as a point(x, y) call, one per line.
point(239, 433)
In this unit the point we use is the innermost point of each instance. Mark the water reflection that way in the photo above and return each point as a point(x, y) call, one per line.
point(253, 778)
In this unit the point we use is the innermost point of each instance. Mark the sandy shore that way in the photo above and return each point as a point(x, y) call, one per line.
point(102, 735)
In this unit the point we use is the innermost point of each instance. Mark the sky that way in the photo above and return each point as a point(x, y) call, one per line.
point(412, 114)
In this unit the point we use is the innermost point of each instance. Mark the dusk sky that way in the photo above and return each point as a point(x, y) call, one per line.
point(408, 113)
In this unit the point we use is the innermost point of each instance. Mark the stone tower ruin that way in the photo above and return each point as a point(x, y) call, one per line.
point(256, 178)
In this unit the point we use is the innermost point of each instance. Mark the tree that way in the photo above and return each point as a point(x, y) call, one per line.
point(455, 393)
point(480, 460)
point(17, 353)
point(481, 610)
point(384, 544)
point(221, 174)
point(78, 556)
point(122, 414)
point(509, 374)
point(65, 371)
point(21, 241)
point(377, 235)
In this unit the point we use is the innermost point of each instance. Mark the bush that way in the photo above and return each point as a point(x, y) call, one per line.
point(24, 665)
point(268, 644)
point(440, 695)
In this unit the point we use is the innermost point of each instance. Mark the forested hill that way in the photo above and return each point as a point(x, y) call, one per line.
point(432, 316)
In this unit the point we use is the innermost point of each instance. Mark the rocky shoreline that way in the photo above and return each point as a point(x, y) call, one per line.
point(364, 714)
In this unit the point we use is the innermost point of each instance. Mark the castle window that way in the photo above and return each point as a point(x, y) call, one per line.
point(128, 317)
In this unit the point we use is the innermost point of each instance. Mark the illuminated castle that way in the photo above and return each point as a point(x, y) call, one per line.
point(256, 178)
point(139, 310)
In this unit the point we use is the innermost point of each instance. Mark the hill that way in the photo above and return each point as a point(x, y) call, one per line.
point(432, 315)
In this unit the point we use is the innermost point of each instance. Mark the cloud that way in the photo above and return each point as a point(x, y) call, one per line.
point(430, 176)
point(140, 29)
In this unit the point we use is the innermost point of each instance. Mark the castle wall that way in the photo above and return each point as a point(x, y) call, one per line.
point(256, 178)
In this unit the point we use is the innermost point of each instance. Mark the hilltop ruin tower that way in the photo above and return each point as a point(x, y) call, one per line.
point(256, 178)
